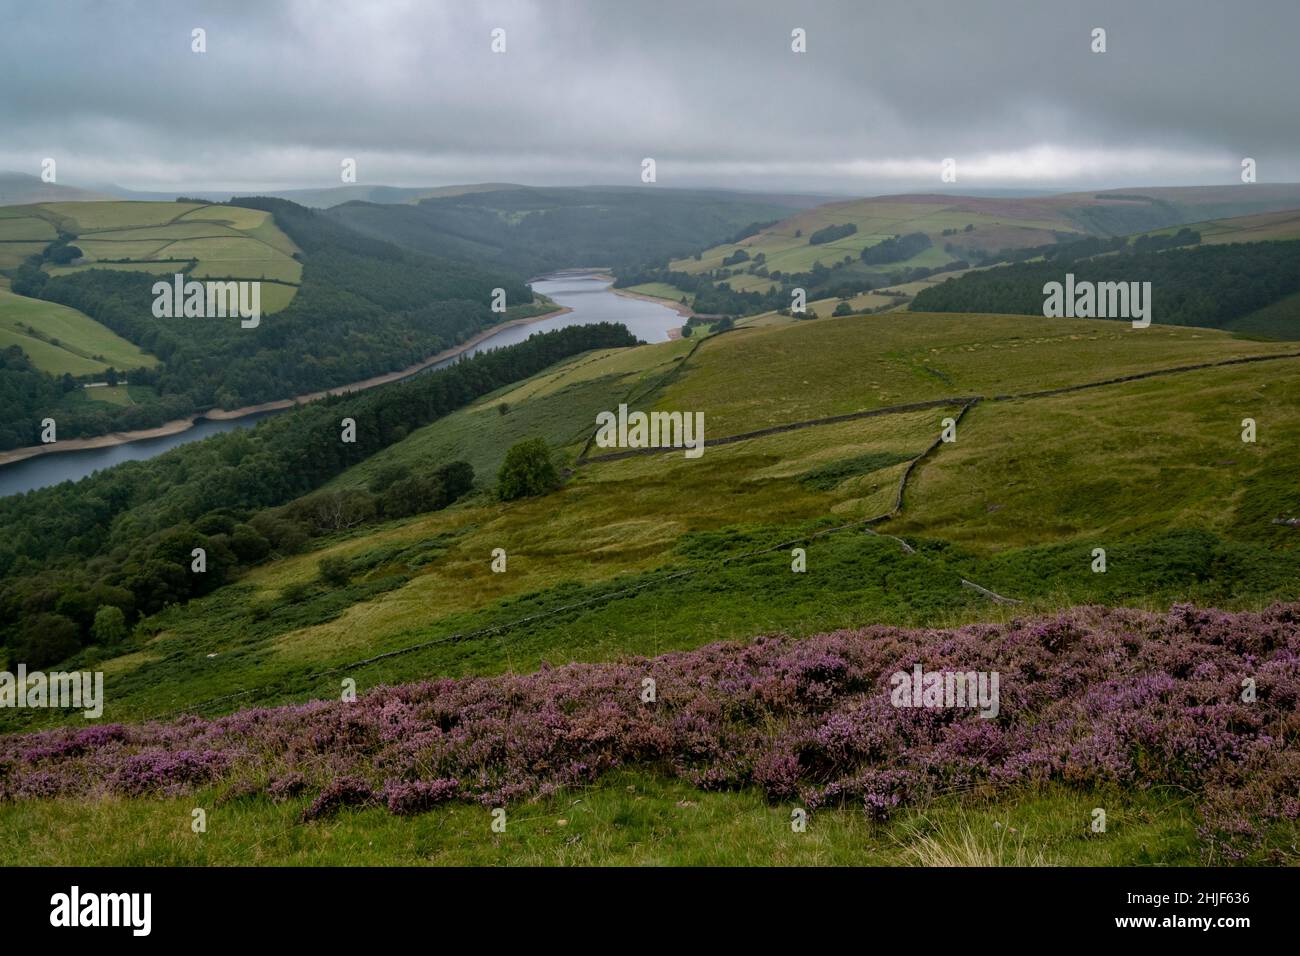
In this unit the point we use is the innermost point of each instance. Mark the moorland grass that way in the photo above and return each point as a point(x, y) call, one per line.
point(628, 819)
point(759, 377)
point(1153, 471)
point(1122, 461)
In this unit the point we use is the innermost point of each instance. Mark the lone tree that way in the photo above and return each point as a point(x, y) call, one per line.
point(528, 470)
point(109, 626)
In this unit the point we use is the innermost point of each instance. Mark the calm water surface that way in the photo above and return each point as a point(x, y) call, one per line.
point(587, 295)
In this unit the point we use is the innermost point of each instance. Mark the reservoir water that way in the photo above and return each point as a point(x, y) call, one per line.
point(588, 296)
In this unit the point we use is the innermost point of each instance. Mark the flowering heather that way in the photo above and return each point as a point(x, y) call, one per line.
point(1090, 697)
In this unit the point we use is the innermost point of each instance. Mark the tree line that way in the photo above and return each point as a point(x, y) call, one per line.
point(122, 538)
point(1206, 286)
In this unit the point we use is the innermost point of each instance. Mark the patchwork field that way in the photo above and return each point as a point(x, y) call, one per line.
point(1256, 228)
point(161, 238)
point(786, 246)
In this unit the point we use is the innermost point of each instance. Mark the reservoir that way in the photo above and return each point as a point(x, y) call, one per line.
point(588, 295)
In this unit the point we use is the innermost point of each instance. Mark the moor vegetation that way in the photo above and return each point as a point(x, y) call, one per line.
point(1092, 698)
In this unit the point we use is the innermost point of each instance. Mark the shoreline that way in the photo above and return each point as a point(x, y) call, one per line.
point(685, 311)
point(178, 425)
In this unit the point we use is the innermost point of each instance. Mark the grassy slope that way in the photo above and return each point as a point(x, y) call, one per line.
point(212, 241)
point(629, 820)
point(1004, 223)
point(615, 521)
point(837, 365)
point(1279, 320)
point(997, 224)
point(165, 237)
point(1112, 463)
point(1017, 504)
point(663, 291)
point(69, 341)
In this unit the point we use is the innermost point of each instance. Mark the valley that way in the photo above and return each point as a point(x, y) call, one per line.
point(921, 473)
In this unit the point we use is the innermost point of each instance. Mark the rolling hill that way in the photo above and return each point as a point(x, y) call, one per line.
point(834, 250)
point(531, 230)
point(338, 307)
point(18, 188)
point(1072, 435)
point(163, 238)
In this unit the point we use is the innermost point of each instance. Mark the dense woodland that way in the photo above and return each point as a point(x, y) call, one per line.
point(1206, 286)
point(533, 231)
point(895, 248)
point(118, 544)
point(365, 308)
point(831, 233)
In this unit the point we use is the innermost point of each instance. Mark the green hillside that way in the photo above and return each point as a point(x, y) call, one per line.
point(937, 470)
point(530, 231)
point(1081, 435)
point(843, 249)
point(163, 238)
point(60, 340)
point(337, 307)
point(982, 508)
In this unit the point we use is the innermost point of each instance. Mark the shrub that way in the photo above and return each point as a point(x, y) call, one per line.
point(388, 475)
point(109, 626)
point(528, 470)
point(335, 570)
point(47, 639)
point(295, 591)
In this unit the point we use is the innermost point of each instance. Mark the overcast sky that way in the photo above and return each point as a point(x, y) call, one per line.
point(711, 90)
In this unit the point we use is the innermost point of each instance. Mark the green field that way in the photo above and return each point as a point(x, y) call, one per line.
point(836, 365)
point(152, 268)
point(26, 227)
point(1256, 228)
point(117, 394)
point(786, 246)
point(12, 254)
point(279, 269)
point(107, 216)
point(64, 339)
point(161, 238)
point(662, 290)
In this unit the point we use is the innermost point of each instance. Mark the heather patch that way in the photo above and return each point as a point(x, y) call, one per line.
point(1089, 698)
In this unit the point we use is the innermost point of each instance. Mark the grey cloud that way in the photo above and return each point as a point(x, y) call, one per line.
point(711, 90)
